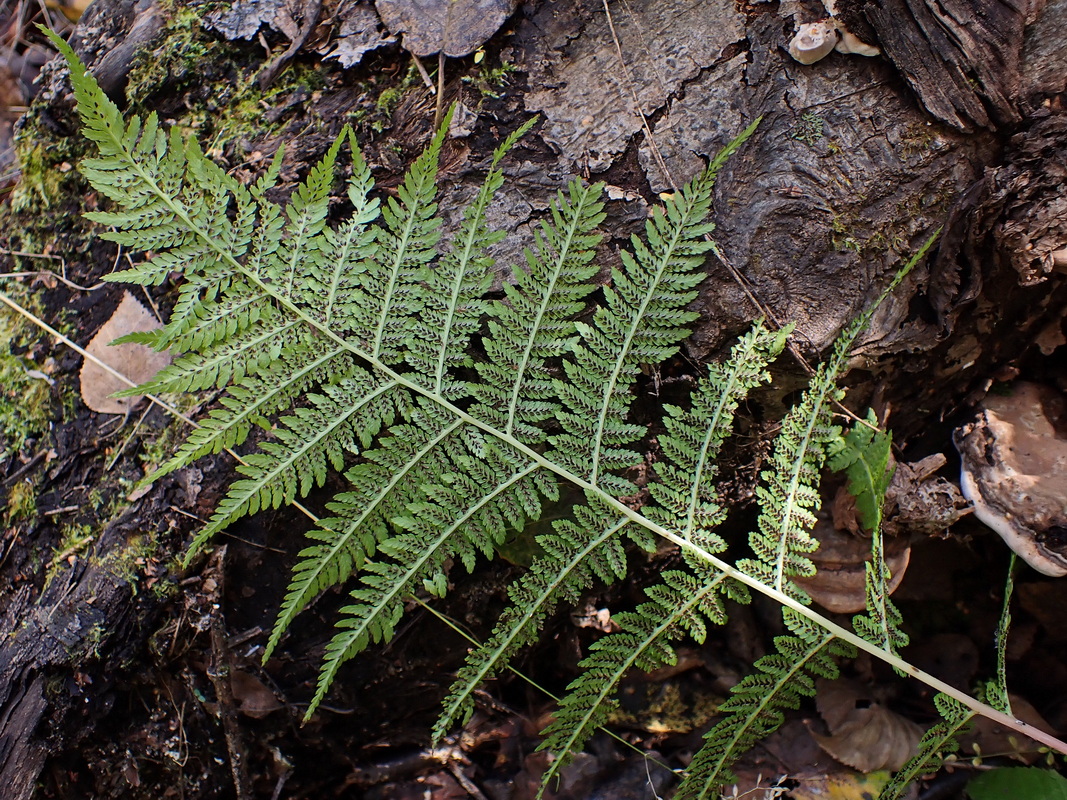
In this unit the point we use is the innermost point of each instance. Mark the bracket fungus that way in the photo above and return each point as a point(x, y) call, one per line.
point(813, 41)
point(1015, 472)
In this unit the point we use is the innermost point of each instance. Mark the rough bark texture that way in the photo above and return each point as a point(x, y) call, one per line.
point(857, 162)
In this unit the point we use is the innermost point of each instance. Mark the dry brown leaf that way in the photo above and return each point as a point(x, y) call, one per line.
point(136, 361)
point(839, 585)
point(454, 27)
point(253, 697)
point(865, 735)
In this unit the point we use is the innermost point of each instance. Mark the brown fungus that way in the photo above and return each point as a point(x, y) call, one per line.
point(1015, 472)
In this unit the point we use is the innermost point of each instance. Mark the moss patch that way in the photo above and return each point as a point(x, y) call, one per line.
point(25, 395)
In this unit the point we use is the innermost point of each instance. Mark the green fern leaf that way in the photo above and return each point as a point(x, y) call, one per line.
point(450, 292)
point(342, 419)
point(382, 487)
point(535, 324)
point(575, 555)
point(938, 743)
point(686, 488)
point(468, 514)
point(755, 709)
point(864, 457)
point(642, 322)
point(390, 289)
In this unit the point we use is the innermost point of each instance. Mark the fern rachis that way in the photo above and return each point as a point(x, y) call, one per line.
point(357, 295)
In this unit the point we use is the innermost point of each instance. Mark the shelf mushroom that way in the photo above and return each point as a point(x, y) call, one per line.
point(1015, 472)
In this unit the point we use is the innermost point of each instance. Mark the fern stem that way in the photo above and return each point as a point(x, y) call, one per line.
point(772, 592)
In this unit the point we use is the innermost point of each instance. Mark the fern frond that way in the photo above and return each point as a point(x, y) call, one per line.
point(450, 293)
point(382, 486)
point(864, 456)
point(643, 322)
point(757, 703)
point(684, 604)
point(535, 324)
point(344, 418)
point(686, 488)
point(246, 353)
point(390, 287)
point(936, 745)
point(347, 251)
point(299, 264)
point(471, 510)
point(575, 555)
point(252, 402)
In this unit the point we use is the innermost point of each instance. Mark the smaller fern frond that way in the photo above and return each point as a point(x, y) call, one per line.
point(244, 354)
point(936, 745)
point(576, 554)
point(686, 490)
point(755, 708)
point(864, 456)
point(383, 485)
point(347, 250)
point(301, 366)
point(683, 604)
point(406, 243)
point(535, 323)
point(299, 264)
point(642, 322)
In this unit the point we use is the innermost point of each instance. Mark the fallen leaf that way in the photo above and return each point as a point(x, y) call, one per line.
point(454, 27)
point(136, 361)
point(253, 697)
point(360, 33)
point(841, 786)
point(244, 18)
point(864, 734)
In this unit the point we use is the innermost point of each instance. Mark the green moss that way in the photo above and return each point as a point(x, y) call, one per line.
point(48, 181)
point(185, 46)
point(25, 396)
point(808, 129)
point(489, 79)
point(21, 502)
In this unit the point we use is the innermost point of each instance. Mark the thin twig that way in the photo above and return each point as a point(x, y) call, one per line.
point(637, 103)
point(219, 672)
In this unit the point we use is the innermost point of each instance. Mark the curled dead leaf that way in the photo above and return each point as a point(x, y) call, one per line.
point(137, 362)
point(864, 734)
